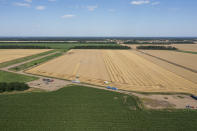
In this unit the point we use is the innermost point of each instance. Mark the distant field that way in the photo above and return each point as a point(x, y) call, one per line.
point(11, 54)
point(57, 45)
point(122, 68)
point(186, 47)
point(86, 109)
point(170, 67)
point(187, 60)
point(19, 60)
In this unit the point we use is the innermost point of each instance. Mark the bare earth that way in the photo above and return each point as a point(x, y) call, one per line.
point(122, 68)
point(167, 101)
point(11, 54)
point(48, 86)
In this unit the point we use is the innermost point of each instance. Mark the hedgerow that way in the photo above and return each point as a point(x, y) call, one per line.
point(15, 86)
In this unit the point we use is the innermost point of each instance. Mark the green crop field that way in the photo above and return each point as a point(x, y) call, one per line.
point(12, 77)
point(77, 108)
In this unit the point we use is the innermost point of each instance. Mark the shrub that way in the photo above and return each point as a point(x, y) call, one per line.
point(15, 86)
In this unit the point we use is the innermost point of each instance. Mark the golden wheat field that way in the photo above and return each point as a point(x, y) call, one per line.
point(122, 68)
point(11, 54)
point(187, 74)
point(184, 59)
point(186, 47)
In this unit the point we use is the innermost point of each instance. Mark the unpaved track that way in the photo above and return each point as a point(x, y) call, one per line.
point(18, 64)
point(51, 86)
point(187, 74)
point(168, 61)
point(122, 68)
point(11, 54)
point(57, 84)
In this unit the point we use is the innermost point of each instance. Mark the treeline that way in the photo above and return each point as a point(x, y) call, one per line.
point(79, 42)
point(101, 47)
point(157, 47)
point(23, 47)
point(159, 43)
point(92, 42)
point(15, 86)
point(183, 42)
point(146, 43)
point(132, 42)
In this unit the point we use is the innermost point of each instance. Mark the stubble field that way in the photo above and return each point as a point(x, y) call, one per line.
point(122, 68)
point(186, 47)
point(11, 54)
point(184, 59)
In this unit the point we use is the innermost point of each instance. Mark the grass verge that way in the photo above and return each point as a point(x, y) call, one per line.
point(87, 109)
point(191, 52)
point(8, 63)
point(12, 77)
point(35, 62)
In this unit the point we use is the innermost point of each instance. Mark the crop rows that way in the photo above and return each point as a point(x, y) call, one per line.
point(121, 68)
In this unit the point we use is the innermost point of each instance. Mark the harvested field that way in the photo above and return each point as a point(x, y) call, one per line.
point(122, 68)
point(183, 59)
point(170, 67)
point(186, 47)
point(11, 54)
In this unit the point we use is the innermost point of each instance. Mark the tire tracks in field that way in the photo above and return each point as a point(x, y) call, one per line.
point(18, 64)
point(175, 64)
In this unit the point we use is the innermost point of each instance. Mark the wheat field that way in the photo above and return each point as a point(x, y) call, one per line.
point(184, 59)
point(11, 54)
point(121, 68)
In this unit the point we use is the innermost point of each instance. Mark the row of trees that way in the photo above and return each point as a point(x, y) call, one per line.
point(23, 47)
point(15, 86)
point(146, 43)
point(183, 42)
point(92, 42)
point(101, 47)
point(157, 47)
point(56, 42)
point(160, 43)
point(132, 42)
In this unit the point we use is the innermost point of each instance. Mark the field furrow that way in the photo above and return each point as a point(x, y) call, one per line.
point(121, 68)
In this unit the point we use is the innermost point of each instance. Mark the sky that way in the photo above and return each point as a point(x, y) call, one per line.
point(131, 18)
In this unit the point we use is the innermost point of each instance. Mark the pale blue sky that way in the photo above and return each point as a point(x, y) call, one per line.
point(98, 17)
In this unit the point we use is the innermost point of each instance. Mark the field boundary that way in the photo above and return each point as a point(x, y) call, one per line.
point(24, 59)
point(53, 55)
point(184, 67)
point(30, 60)
point(189, 52)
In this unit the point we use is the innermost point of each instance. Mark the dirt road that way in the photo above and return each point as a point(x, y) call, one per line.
point(154, 101)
